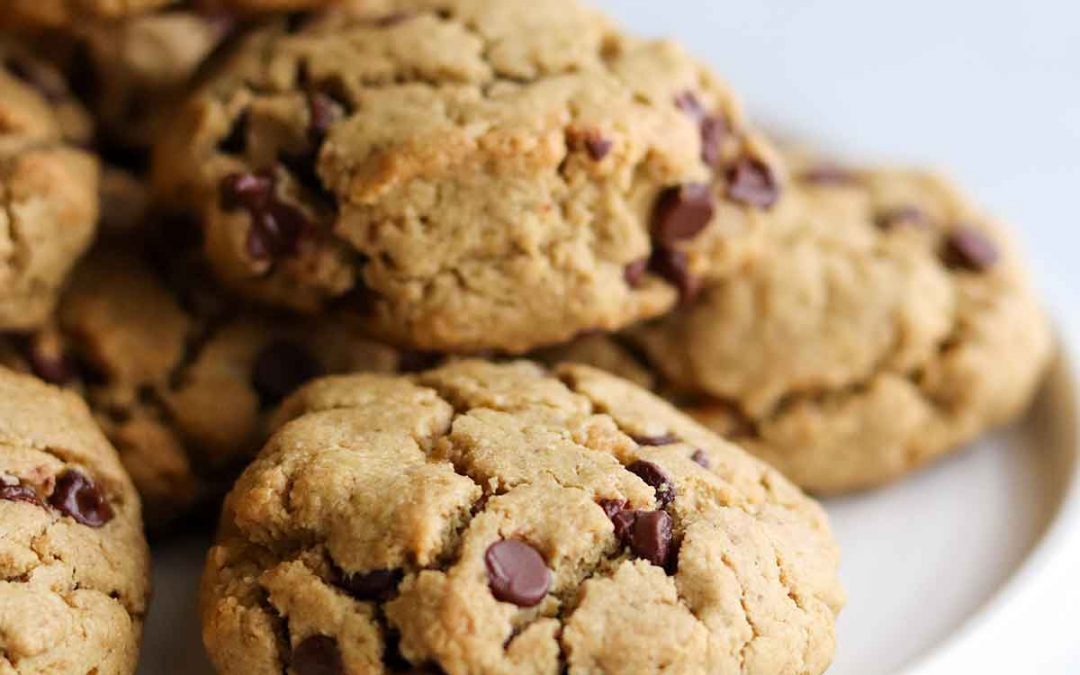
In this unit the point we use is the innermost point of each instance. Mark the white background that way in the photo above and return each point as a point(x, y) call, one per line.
point(988, 90)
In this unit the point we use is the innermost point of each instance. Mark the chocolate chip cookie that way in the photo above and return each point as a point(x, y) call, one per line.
point(73, 559)
point(483, 518)
point(48, 188)
point(887, 322)
point(181, 381)
point(469, 174)
point(76, 14)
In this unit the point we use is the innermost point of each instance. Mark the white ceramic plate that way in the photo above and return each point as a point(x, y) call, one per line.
point(922, 559)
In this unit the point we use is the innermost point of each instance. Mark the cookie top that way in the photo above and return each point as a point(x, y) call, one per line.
point(48, 188)
point(73, 558)
point(182, 381)
point(77, 14)
point(491, 518)
point(887, 321)
point(528, 174)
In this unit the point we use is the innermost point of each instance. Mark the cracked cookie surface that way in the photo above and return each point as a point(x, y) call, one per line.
point(74, 567)
point(469, 174)
point(180, 378)
point(48, 188)
point(886, 322)
point(484, 518)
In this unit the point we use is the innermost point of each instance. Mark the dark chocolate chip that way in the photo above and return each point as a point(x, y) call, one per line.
point(634, 273)
point(902, 216)
point(277, 228)
point(235, 142)
point(714, 131)
point(650, 537)
point(598, 146)
point(624, 524)
point(517, 573)
point(374, 586)
point(701, 458)
point(752, 182)
point(653, 441)
point(682, 212)
point(689, 103)
point(317, 655)
point(251, 191)
point(54, 368)
point(280, 368)
point(612, 506)
point(18, 492)
point(966, 248)
point(77, 496)
point(657, 478)
point(322, 113)
point(673, 266)
point(828, 174)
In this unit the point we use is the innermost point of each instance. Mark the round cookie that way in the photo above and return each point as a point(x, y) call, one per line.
point(48, 188)
point(529, 174)
point(484, 518)
point(181, 383)
point(887, 322)
point(73, 560)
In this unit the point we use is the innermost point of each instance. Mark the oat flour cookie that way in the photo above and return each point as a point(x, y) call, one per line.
point(887, 321)
point(73, 559)
point(48, 188)
point(180, 382)
point(484, 518)
point(468, 174)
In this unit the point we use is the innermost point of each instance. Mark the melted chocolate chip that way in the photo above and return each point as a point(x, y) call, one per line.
point(966, 248)
point(714, 131)
point(517, 573)
point(655, 477)
point(650, 537)
point(634, 273)
point(752, 182)
point(19, 492)
point(597, 146)
point(280, 368)
point(317, 655)
point(689, 103)
point(902, 216)
point(54, 368)
point(277, 228)
point(673, 267)
point(700, 458)
point(624, 524)
point(682, 212)
point(77, 496)
point(375, 586)
point(251, 191)
point(612, 506)
point(653, 441)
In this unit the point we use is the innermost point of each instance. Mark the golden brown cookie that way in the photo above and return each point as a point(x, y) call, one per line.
point(484, 518)
point(73, 559)
point(468, 174)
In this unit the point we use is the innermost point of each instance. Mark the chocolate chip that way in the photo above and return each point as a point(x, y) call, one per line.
point(317, 655)
point(251, 191)
point(517, 573)
point(967, 248)
point(598, 146)
point(374, 586)
point(650, 537)
point(322, 113)
point(18, 492)
point(828, 174)
point(653, 441)
point(412, 361)
point(902, 216)
point(682, 212)
point(634, 273)
point(624, 524)
point(752, 182)
point(689, 103)
point(280, 368)
point(277, 228)
point(235, 142)
point(701, 458)
point(77, 496)
point(714, 131)
point(673, 267)
point(655, 477)
point(55, 368)
point(612, 506)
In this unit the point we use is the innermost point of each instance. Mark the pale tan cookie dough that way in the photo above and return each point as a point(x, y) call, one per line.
point(484, 518)
point(74, 566)
point(48, 188)
point(469, 174)
point(74, 15)
point(181, 381)
point(888, 321)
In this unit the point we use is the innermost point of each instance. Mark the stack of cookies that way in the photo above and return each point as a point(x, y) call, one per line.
point(508, 336)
